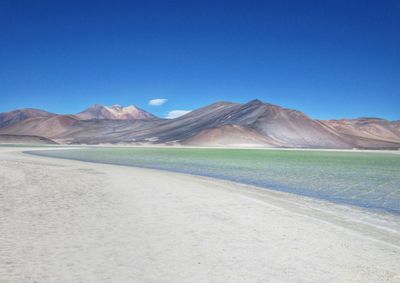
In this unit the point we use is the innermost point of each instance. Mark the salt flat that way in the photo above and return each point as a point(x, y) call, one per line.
point(71, 221)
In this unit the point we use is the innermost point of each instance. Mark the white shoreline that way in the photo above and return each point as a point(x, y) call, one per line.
point(391, 151)
point(67, 220)
point(379, 219)
point(388, 151)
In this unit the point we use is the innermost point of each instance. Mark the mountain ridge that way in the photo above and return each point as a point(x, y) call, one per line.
point(15, 116)
point(222, 123)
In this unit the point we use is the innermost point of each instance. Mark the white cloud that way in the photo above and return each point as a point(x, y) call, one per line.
point(157, 101)
point(176, 113)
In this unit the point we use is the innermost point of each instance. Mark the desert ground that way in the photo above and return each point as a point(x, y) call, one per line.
point(72, 221)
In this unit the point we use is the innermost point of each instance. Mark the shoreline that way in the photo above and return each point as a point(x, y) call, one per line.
point(389, 151)
point(377, 219)
point(191, 205)
point(286, 190)
point(355, 150)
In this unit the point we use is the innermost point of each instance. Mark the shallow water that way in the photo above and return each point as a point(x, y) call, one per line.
point(368, 180)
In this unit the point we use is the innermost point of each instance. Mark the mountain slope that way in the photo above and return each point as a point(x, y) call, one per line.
point(373, 128)
point(367, 132)
point(229, 135)
point(24, 139)
point(9, 118)
point(48, 127)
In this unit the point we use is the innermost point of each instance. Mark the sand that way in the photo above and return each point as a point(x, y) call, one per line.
point(71, 221)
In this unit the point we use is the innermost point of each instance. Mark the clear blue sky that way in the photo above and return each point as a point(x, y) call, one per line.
point(330, 59)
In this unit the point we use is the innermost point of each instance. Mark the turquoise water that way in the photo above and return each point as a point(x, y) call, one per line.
point(368, 180)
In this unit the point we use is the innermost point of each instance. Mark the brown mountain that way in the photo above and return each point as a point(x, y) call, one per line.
point(12, 117)
point(115, 112)
point(282, 127)
point(372, 128)
point(49, 127)
point(220, 124)
point(71, 129)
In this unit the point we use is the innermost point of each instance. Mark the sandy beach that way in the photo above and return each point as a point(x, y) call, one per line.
point(72, 221)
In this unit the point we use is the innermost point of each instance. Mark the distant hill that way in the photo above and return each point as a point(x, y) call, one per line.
point(220, 124)
point(12, 117)
point(364, 131)
point(49, 127)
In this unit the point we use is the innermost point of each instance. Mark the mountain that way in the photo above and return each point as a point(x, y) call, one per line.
point(12, 117)
point(367, 132)
point(372, 128)
point(115, 112)
point(220, 124)
point(48, 127)
point(282, 127)
point(71, 129)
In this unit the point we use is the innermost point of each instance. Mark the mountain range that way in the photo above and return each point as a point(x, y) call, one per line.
point(220, 124)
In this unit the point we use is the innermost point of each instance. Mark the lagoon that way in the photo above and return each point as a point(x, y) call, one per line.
point(363, 179)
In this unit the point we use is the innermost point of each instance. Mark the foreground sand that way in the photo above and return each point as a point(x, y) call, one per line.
point(71, 221)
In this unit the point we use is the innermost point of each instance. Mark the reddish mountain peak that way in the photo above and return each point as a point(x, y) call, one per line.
point(115, 112)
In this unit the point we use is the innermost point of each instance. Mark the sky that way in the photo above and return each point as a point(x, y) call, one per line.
point(329, 59)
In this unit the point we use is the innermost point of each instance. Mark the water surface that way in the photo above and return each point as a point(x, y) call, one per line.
point(368, 180)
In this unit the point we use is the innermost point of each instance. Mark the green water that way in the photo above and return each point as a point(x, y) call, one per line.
point(369, 180)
